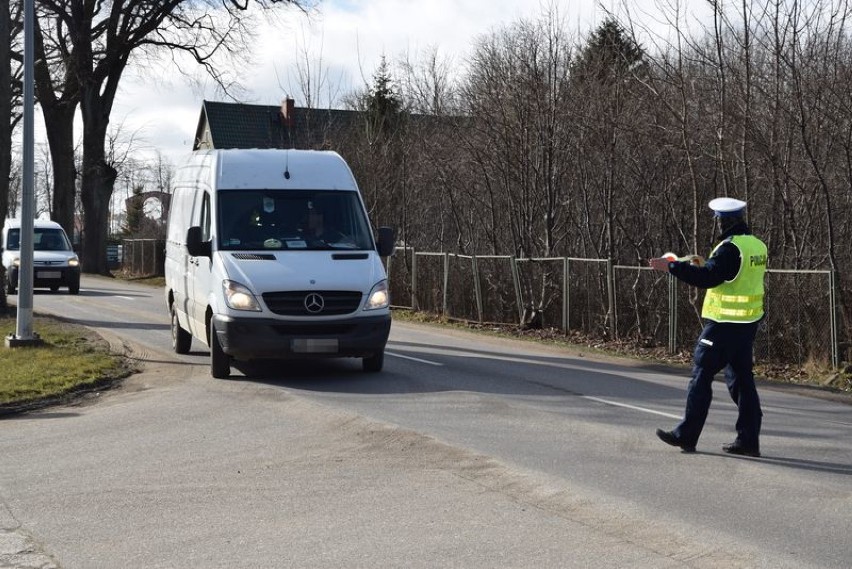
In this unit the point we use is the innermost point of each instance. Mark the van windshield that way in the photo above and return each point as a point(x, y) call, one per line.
point(44, 239)
point(288, 219)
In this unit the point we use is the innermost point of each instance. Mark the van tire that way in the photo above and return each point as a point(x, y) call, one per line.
point(220, 362)
point(10, 287)
point(374, 363)
point(181, 339)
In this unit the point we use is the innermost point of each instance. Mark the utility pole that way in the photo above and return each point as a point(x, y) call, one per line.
point(24, 335)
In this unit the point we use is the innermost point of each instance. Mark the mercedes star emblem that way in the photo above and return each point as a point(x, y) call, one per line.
point(314, 303)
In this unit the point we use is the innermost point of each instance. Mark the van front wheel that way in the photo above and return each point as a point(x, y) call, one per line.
point(374, 363)
point(181, 339)
point(220, 362)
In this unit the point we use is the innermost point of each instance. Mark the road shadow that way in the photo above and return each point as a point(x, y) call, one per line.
point(120, 325)
point(88, 292)
point(460, 369)
point(796, 463)
point(117, 292)
point(39, 415)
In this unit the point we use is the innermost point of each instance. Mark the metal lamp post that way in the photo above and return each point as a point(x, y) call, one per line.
point(24, 335)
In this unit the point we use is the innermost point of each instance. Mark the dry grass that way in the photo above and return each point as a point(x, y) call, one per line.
point(70, 360)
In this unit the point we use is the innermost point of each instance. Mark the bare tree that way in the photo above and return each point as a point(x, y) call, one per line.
point(377, 150)
point(517, 94)
point(43, 183)
point(58, 96)
point(427, 84)
point(99, 40)
point(11, 71)
point(10, 109)
point(313, 79)
point(162, 172)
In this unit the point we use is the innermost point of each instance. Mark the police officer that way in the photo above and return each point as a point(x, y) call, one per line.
point(733, 307)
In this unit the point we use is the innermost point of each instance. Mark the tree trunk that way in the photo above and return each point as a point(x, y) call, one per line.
point(5, 109)
point(60, 138)
point(58, 97)
point(98, 179)
point(5, 130)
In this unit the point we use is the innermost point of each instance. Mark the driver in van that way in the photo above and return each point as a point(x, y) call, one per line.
point(50, 242)
point(316, 224)
point(319, 226)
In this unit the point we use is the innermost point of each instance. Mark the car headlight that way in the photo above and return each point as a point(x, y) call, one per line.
point(379, 297)
point(239, 297)
point(73, 262)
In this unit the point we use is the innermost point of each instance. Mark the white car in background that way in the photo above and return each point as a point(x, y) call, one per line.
point(55, 264)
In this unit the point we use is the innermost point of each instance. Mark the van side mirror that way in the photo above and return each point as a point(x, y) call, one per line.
point(387, 241)
point(194, 244)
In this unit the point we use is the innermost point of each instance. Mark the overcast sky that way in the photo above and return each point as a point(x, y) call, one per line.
point(350, 36)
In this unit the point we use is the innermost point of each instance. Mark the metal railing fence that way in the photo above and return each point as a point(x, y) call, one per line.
point(144, 257)
point(596, 297)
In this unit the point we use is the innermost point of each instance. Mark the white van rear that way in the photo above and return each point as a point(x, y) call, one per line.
point(270, 255)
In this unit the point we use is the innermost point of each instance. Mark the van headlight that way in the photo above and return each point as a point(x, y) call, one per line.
point(73, 262)
point(379, 297)
point(239, 297)
point(16, 261)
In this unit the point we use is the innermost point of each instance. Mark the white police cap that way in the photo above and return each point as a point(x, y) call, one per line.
point(727, 207)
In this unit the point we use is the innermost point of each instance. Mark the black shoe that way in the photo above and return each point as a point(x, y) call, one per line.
point(738, 448)
point(670, 438)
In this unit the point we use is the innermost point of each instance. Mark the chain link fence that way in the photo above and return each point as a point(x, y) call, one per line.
point(631, 303)
point(594, 297)
point(144, 257)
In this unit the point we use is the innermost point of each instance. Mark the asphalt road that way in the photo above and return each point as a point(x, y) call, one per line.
point(466, 451)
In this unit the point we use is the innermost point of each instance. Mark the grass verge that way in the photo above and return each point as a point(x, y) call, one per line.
point(72, 360)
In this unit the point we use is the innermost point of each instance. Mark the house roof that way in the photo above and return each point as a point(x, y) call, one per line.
point(238, 125)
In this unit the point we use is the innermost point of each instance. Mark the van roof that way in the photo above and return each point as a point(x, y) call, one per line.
point(40, 223)
point(282, 169)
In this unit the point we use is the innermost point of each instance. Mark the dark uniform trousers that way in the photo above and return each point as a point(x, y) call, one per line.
point(723, 344)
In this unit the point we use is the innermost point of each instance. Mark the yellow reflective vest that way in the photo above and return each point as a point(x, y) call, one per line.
point(740, 299)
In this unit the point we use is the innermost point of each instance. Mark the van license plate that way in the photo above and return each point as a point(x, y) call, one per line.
point(48, 275)
point(314, 346)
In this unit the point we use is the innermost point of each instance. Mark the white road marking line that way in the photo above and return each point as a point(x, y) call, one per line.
point(549, 364)
point(125, 297)
point(634, 407)
point(414, 359)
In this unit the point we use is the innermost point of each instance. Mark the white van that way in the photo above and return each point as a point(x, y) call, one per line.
point(55, 264)
point(270, 255)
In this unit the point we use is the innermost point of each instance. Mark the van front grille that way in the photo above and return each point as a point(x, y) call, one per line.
point(313, 302)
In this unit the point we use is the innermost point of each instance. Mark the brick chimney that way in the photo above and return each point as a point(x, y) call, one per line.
point(288, 116)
